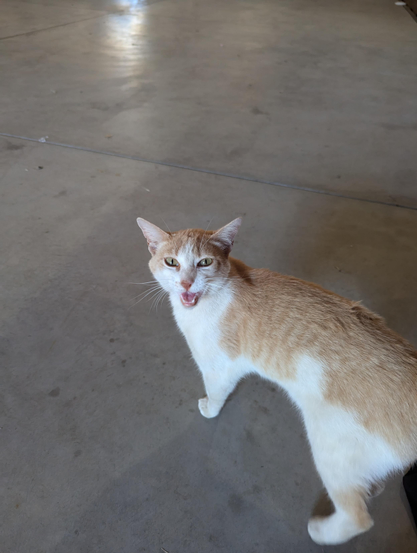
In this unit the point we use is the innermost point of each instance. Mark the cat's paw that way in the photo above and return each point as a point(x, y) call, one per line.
point(315, 529)
point(207, 408)
point(335, 529)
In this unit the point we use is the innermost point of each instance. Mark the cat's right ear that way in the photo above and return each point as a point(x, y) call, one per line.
point(153, 234)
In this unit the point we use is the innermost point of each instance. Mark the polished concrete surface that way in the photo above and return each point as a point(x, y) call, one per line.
point(102, 445)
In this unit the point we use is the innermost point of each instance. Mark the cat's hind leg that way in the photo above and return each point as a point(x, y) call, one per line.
point(348, 458)
point(219, 384)
point(351, 517)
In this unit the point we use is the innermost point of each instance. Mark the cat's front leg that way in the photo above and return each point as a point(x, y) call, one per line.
point(219, 383)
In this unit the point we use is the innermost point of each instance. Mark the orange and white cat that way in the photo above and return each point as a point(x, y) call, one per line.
point(353, 379)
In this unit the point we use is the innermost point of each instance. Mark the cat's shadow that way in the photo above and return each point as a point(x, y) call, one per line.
point(324, 506)
point(209, 489)
point(235, 484)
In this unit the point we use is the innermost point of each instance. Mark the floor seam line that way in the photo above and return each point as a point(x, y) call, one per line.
point(28, 33)
point(209, 171)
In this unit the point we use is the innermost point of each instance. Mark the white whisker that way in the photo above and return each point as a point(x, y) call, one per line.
point(147, 293)
point(149, 290)
point(160, 299)
point(166, 224)
point(157, 299)
point(149, 282)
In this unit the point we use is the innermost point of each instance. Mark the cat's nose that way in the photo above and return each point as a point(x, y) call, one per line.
point(186, 284)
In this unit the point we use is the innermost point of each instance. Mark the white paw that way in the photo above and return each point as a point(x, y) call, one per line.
point(207, 408)
point(335, 529)
point(315, 526)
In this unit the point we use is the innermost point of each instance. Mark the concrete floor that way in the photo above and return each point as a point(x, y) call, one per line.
point(103, 448)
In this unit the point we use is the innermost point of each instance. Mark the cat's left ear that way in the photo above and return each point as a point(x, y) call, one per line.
point(153, 234)
point(225, 236)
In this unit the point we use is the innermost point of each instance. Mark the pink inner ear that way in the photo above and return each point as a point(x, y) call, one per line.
point(152, 248)
point(153, 234)
point(227, 234)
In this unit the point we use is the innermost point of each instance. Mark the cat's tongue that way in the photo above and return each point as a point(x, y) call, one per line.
point(188, 299)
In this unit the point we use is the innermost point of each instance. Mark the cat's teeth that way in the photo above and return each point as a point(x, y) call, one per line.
point(189, 299)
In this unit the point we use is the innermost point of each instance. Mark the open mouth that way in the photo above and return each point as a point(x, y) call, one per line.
point(189, 299)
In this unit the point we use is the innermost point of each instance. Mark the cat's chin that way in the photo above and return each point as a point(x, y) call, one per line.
point(189, 299)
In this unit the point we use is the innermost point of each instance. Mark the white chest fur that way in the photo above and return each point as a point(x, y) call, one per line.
point(201, 324)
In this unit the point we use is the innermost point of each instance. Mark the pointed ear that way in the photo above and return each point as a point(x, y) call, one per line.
point(226, 235)
point(153, 234)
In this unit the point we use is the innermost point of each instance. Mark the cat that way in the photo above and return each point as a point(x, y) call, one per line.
point(353, 379)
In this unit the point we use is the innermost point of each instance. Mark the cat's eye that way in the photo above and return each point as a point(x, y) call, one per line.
point(205, 262)
point(171, 262)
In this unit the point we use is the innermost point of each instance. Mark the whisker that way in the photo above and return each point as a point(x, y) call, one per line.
point(152, 298)
point(205, 230)
point(156, 299)
point(166, 224)
point(160, 299)
point(209, 224)
point(148, 292)
point(145, 291)
point(153, 285)
point(209, 236)
point(149, 282)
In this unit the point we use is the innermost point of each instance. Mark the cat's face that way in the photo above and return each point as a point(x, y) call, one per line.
point(189, 263)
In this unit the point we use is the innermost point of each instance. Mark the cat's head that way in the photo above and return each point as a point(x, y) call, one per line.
point(190, 263)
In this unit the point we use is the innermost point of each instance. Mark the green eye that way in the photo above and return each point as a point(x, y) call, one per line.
point(171, 262)
point(205, 262)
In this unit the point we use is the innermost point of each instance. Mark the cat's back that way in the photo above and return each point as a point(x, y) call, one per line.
point(270, 298)
point(279, 311)
point(275, 303)
point(295, 331)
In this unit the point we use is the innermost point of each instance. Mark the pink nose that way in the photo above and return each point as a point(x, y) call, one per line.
point(185, 284)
